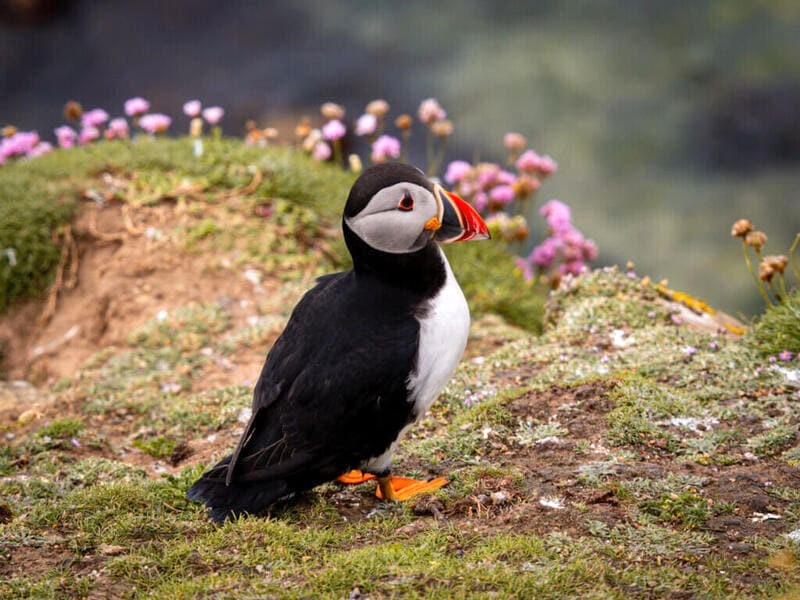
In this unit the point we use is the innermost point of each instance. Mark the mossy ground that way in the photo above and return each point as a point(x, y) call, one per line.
point(616, 455)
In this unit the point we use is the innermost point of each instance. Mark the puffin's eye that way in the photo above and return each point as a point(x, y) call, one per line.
point(406, 202)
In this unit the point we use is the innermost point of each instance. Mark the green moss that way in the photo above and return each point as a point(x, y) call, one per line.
point(687, 509)
point(158, 447)
point(61, 429)
point(778, 329)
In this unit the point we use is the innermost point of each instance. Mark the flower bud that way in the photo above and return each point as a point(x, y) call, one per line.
point(379, 108)
point(442, 129)
point(514, 142)
point(741, 228)
point(777, 263)
point(331, 110)
point(73, 111)
point(765, 271)
point(403, 122)
point(756, 239)
point(303, 128)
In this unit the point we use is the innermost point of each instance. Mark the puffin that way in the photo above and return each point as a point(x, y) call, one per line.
point(363, 356)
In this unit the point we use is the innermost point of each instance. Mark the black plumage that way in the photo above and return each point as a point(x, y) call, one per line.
point(333, 391)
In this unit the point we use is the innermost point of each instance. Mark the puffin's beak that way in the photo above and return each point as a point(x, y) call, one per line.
point(459, 221)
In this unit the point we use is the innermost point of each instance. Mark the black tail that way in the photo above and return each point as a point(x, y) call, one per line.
point(229, 501)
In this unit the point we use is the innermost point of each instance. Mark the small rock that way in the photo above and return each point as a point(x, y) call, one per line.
point(741, 547)
point(110, 550)
point(499, 498)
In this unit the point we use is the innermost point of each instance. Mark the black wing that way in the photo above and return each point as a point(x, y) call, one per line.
point(333, 389)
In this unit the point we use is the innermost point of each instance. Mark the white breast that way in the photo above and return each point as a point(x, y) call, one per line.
point(443, 333)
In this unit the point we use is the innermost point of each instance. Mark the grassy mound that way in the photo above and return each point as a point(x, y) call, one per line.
point(38, 196)
point(778, 329)
point(617, 455)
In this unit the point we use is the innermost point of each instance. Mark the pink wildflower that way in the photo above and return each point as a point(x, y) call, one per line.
point(545, 253)
point(514, 142)
point(321, 151)
point(40, 149)
point(366, 124)
point(506, 178)
point(786, 355)
point(501, 194)
point(192, 108)
point(590, 250)
point(385, 148)
point(480, 201)
point(558, 216)
point(65, 136)
point(529, 162)
point(155, 123)
point(333, 130)
point(213, 114)
point(135, 107)
point(690, 350)
point(94, 118)
point(456, 171)
point(88, 134)
point(574, 267)
point(117, 128)
point(547, 166)
point(430, 111)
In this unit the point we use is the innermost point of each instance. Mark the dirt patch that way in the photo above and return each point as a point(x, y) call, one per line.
point(123, 278)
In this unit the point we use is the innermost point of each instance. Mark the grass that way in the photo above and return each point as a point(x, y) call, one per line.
point(649, 450)
point(305, 199)
point(778, 329)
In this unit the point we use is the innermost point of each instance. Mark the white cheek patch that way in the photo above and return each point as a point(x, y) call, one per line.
point(396, 232)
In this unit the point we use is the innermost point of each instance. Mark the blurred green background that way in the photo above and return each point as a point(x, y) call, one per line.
point(669, 120)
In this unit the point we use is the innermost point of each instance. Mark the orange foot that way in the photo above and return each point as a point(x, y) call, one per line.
point(394, 488)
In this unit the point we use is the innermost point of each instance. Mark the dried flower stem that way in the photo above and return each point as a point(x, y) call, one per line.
point(758, 281)
point(337, 152)
point(792, 259)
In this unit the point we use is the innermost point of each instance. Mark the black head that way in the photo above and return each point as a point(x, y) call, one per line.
point(394, 213)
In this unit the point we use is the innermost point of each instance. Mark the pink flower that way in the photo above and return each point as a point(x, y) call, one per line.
point(40, 149)
point(18, 144)
point(88, 134)
point(514, 142)
point(524, 266)
point(94, 118)
point(480, 201)
point(155, 123)
point(690, 350)
point(501, 194)
point(456, 171)
point(192, 108)
point(573, 268)
point(590, 250)
point(786, 355)
point(366, 124)
point(545, 253)
point(334, 130)
point(321, 151)
point(430, 111)
point(556, 213)
point(547, 166)
point(506, 178)
point(117, 128)
point(65, 136)
point(213, 114)
point(529, 162)
point(135, 107)
point(385, 148)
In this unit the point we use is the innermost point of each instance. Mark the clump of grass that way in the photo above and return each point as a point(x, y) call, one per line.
point(157, 447)
point(687, 509)
point(61, 429)
point(773, 440)
point(778, 329)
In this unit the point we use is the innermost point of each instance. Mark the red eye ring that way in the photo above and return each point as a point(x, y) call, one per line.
point(406, 202)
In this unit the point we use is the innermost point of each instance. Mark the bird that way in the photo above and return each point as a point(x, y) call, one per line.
point(363, 356)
